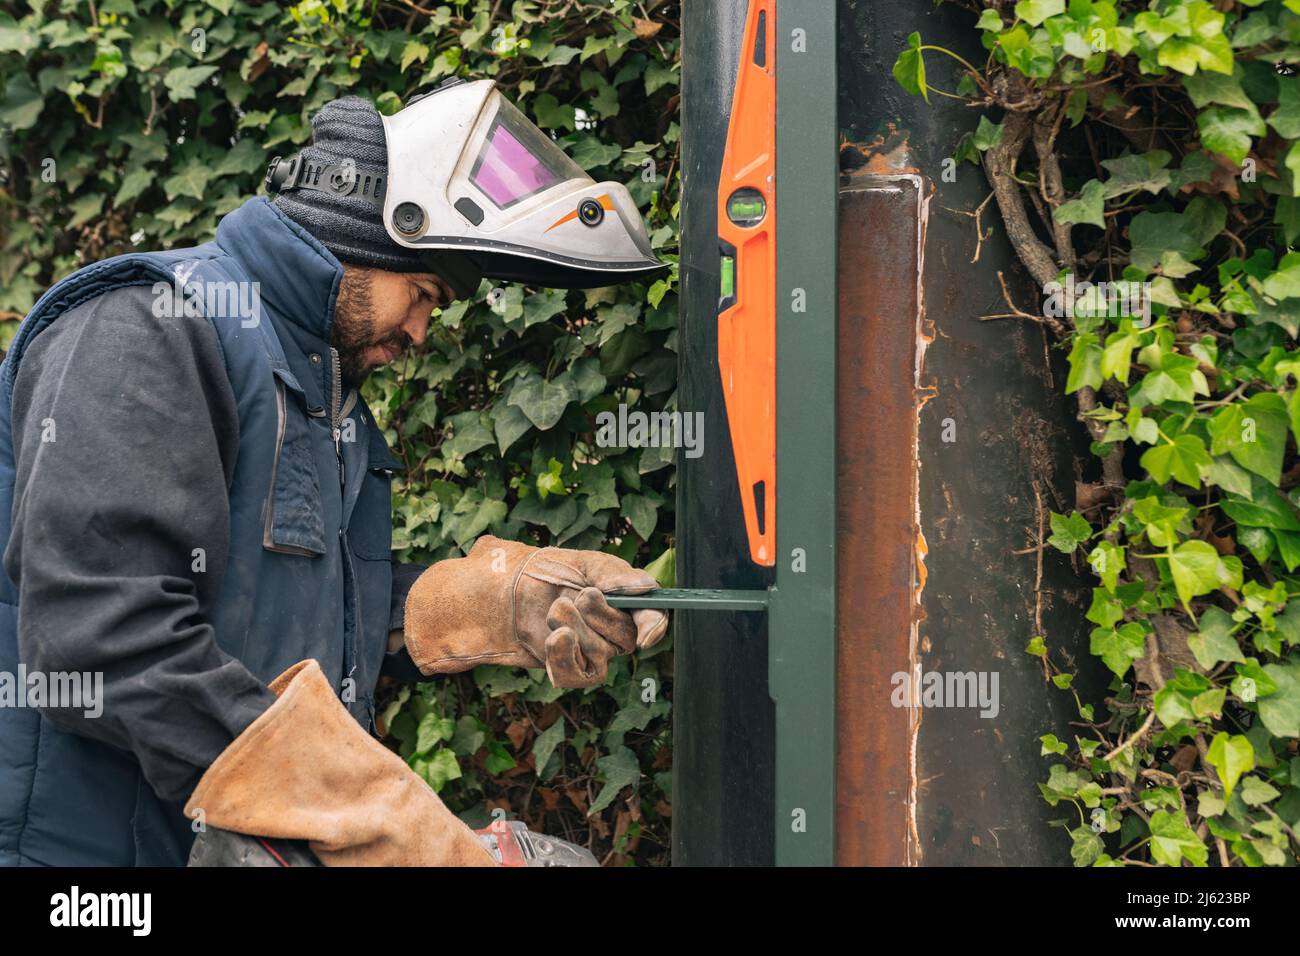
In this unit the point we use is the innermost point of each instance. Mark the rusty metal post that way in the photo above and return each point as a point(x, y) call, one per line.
point(954, 441)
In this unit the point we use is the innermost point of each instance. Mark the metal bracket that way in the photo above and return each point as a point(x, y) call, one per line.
point(693, 599)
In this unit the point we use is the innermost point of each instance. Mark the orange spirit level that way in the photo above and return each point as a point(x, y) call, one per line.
point(747, 293)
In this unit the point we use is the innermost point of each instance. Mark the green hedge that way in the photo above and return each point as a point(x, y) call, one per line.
point(139, 124)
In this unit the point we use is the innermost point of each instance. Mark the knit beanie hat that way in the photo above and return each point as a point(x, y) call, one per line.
point(345, 129)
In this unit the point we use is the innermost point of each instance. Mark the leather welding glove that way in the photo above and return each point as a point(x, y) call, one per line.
point(306, 770)
point(512, 604)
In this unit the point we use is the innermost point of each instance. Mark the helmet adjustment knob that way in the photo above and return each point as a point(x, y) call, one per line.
point(408, 219)
point(590, 212)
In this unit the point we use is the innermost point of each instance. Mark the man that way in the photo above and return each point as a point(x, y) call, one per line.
point(200, 502)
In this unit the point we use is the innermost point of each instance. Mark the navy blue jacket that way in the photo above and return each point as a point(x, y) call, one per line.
point(210, 511)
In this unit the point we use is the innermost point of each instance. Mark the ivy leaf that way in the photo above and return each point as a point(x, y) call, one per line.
point(642, 513)
point(243, 157)
point(432, 730)
point(620, 769)
point(472, 432)
point(1214, 641)
point(555, 513)
point(1087, 208)
point(498, 758)
point(1288, 623)
point(470, 735)
point(1286, 118)
point(474, 513)
point(1085, 845)
point(1182, 459)
point(1119, 647)
point(1069, 533)
point(22, 103)
point(1254, 433)
point(1108, 561)
point(190, 180)
point(509, 423)
point(1172, 840)
point(1194, 566)
point(1035, 12)
point(1031, 54)
point(1292, 163)
point(413, 51)
point(133, 184)
point(437, 769)
point(1280, 710)
point(546, 742)
point(1267, 509)
point(1229, 476)
point(85, 208)
point(1172, 707)
point(1153, 234)
point(182, 82)
point(909, 68)
point(1085, 363)
point(543, 306)
point(1230, 756)
point(589, 152)
point(1256, 792)
point(664, 568)
point(544, 401)
point(1117, 356)
point(1228, 131)
point(1285, 282)
point(1207, 88)
point(1137, 172)
point(551, 114)
point(987, 135)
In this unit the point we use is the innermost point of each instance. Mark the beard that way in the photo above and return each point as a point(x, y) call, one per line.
point(354, 331)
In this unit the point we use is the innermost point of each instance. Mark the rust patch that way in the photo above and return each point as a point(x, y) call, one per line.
point(886, 155)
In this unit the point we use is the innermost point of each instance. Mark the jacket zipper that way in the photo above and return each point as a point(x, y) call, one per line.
point(337, 408)
point(336, 412)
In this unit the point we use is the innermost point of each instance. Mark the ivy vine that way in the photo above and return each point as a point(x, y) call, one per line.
point(1146, 164)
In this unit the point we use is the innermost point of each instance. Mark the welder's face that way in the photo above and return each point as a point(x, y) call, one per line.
point(380, 315)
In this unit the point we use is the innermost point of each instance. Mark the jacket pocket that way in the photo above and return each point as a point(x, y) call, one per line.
point(294, 522)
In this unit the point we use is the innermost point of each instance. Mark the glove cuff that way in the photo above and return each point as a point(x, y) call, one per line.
point(306, 770)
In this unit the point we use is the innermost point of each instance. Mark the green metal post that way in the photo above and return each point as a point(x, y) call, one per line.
point(801, 663)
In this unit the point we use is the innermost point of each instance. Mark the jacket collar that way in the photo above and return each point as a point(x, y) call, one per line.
point(296, 275)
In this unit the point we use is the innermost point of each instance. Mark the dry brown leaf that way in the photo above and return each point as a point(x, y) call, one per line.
point(517, 731)
point(261, 64)
point(646, 29)
point(1184, 758)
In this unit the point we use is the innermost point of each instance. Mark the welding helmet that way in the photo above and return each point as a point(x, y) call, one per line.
point(475, 184)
